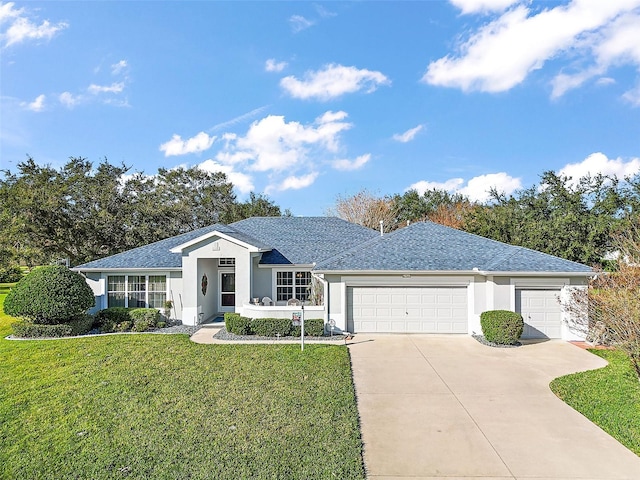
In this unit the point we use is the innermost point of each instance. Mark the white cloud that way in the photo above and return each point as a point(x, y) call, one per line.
point(116, 87)
point(598, 164)
point(299, 23)
point(333, 81)
point(477, 189)
point(347, 165)
point(196, 144)
point(22, 28)
point(294, 183)
point(271, 144)
point(475, 6)
point(451, 185)
point(271, 65)
point(323, 12)
point(241, 181)
point(633, 96)
point(408, 135)
point(69, 100)
point(605, 81)
point(118, 68)
point(37, 105)
point(504, 51)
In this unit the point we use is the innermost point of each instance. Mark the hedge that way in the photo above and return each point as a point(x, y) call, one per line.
point(11, 274)
point(271, 327)
point(80, 325)
point(501, 326)
point(121, 319)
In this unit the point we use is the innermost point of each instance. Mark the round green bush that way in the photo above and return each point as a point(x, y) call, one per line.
point(10, 274)
point(49, 295)
point(501, 326)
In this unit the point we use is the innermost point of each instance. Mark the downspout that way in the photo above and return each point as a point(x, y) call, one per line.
point(325, 284)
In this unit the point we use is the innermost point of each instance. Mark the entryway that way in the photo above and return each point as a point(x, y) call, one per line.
point(227, 297)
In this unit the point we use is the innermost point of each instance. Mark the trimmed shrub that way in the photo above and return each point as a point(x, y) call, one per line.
point(161, 324)
point(108, 319)
point(236, 324)
point(26, 329)
point(149, 315)
point(81, 324)
point(141, 326)
point(123, 326)
point(313, 327)
point(49, 295)
point(270, 327)
point(501, 326)
point(11, 274)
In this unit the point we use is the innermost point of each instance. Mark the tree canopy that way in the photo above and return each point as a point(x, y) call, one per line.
point(572, 219)
point(82, 212)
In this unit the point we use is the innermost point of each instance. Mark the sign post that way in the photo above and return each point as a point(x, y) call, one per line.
point(297, 320)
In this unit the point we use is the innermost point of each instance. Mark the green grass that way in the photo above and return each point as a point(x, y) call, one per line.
point(160, 406)
point(609, 397)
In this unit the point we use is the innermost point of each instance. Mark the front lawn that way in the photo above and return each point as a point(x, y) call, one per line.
point(159, 406)
point(609, 397)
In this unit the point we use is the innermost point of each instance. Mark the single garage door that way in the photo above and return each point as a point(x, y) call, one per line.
point(407, 309)
point(541, 312)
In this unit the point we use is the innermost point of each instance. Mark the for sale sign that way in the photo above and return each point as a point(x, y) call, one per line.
point(296, 318)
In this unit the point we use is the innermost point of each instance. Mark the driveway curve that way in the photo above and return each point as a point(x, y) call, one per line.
point(445, 406)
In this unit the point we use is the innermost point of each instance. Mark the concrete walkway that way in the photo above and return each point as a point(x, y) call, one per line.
point(447, 407)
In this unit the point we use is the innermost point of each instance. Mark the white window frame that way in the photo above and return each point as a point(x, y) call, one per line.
point(295, 284)
point(126, 292)
point(226, 262)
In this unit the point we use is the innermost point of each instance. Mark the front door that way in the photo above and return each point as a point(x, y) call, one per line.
point(227, 291)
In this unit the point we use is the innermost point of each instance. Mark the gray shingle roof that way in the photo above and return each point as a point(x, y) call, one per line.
point(428, 246)
point(154, 255)
point(303, 240)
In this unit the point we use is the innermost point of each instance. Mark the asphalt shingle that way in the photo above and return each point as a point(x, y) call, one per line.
point(427, 246)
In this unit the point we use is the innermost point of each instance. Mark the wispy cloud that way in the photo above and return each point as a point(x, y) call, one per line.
point(408, 135)
point(70, 100)
point(293, 183)
point(119, 67)
point(116, 87)
point(271, 65)
point(240, 118)
point(22, 27)
point(501, 53)
point(349, 165)
point(299, 23)
point(178, 146)
point(333, 81)
point(37, 105)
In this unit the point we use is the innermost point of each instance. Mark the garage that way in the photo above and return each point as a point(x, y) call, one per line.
point(407, 309)
point(541, 312)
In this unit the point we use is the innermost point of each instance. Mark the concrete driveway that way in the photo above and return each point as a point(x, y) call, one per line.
point(448, 407)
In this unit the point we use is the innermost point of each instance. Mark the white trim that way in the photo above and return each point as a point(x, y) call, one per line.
point(274, 280)
point(456, 272)
point(126, 292)
point(229, 308)
point(215, 233)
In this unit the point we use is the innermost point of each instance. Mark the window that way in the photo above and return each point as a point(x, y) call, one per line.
point(157, 291)
point(116, 291)
point(292, 285)
point(226, 262)
point(136, 291)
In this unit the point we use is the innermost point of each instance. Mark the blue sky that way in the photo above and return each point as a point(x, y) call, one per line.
point(305, 101)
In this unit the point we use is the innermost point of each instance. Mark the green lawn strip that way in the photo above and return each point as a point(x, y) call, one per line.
point(160, 406)
point(609, 397)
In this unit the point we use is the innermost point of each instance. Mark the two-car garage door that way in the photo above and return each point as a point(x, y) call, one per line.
point(407, 309)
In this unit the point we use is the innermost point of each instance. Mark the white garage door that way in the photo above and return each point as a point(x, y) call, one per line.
point(407, 309)
point(541, 312)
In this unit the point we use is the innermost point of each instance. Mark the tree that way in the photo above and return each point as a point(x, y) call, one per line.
point(435, 205)
point(49, 295)
point(608, 311)
point(367, 210)
point(80, 213)
point(575, 221)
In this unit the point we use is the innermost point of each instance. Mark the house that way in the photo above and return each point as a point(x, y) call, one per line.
point(424, 278)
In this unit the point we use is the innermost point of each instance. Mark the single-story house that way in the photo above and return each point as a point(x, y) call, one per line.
point(423, 278)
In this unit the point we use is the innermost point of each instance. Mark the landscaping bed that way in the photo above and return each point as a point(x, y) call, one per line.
point(224, 334)
point(163, 407)
point(609, 397)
